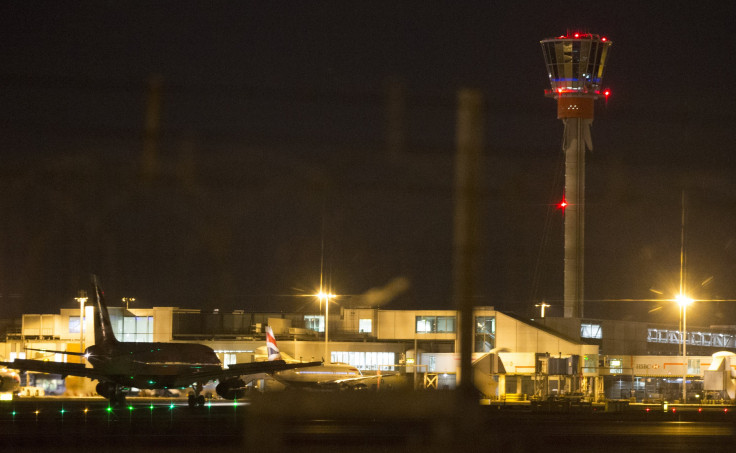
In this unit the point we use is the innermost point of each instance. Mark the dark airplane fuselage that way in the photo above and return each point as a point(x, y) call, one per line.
point(153, 365)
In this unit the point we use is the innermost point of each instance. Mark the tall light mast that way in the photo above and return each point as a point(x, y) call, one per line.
point(575, 64)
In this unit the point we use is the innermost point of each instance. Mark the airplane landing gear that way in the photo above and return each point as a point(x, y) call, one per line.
point(117, 398)
point(113, 392)
point(196, 398)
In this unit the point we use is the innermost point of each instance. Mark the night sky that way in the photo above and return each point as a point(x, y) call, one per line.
point(272, 154)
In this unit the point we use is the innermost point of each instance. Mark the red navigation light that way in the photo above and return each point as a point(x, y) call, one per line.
point(577, 35)
point(562, 204)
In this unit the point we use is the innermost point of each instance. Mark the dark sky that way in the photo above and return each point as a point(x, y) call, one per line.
point(272, 147)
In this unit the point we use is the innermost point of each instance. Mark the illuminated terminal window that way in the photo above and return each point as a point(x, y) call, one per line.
point(590, 331)
point(384, 361)
point(74, 324)
point(485, 333)
point(314, 322)
point(693, 366)
point(134, 329)
point(365, 325)
point(435, 324)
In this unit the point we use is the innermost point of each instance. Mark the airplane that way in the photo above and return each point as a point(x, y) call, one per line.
point(322, 376)
point(118, 366)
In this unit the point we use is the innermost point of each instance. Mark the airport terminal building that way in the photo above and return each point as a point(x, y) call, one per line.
point(515, 358)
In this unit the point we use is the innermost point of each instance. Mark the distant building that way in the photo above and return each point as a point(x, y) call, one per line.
point(552, 356)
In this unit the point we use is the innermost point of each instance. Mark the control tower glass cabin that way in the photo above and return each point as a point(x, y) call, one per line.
point(575, 64)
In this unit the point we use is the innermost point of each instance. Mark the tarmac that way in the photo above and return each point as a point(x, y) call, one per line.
point(357, 422)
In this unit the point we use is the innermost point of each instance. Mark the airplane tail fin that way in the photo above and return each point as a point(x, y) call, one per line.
point(103, 327)
point(271, 348)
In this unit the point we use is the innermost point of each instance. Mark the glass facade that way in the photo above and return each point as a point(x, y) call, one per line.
point(314, 322)
point(591, 331)
point(74, 325)
point(435, 324)
point(366, 360)
point(365, 325)
point(134, 329)
point(485, 333)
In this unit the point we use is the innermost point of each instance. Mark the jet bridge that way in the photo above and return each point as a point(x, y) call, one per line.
point(719, 380)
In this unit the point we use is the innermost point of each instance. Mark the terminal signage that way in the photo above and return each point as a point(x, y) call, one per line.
point(717, 340)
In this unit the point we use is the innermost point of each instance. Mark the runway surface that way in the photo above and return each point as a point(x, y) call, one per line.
point(362, 422)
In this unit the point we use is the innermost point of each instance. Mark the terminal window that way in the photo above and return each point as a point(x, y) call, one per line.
point(74, 325)
point(365, 325)
point(133, 328)
point(313, 322)
point(365, 360)
point(435, 324)
point(485, 333)
point(590, 331)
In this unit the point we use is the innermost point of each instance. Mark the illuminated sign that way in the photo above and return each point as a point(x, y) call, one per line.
point(716, 340)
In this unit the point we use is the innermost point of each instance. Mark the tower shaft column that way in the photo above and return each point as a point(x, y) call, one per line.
point(575, 146)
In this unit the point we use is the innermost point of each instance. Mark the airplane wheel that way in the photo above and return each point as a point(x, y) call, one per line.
point(192, 400)
point(200, 400)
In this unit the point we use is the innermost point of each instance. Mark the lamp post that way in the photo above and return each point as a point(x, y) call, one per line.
point(684, 301)
point(326, 297)
point(542, 306)
point(128, 300)
point(82, 299)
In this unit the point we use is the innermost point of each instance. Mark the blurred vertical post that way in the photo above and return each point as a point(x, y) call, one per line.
point(466, 243)
point(149, 159)
point(395, 117)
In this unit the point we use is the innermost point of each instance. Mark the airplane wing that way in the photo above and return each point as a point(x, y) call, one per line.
point(51, 351)
point(241, 369)
point(64, 369)
point(78, 369)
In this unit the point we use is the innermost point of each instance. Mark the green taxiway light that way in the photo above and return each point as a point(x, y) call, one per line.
point(151, 407)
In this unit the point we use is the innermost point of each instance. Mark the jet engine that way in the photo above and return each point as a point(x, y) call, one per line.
point(232, 389)
point(105, 389)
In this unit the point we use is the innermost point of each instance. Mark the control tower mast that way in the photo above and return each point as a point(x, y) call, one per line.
point(575, 64)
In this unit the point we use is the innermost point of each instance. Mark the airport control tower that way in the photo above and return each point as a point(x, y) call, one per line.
point(575, 64)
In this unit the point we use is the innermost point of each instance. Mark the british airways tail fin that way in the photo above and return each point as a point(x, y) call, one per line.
point(103, 328)
point(271, 349)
